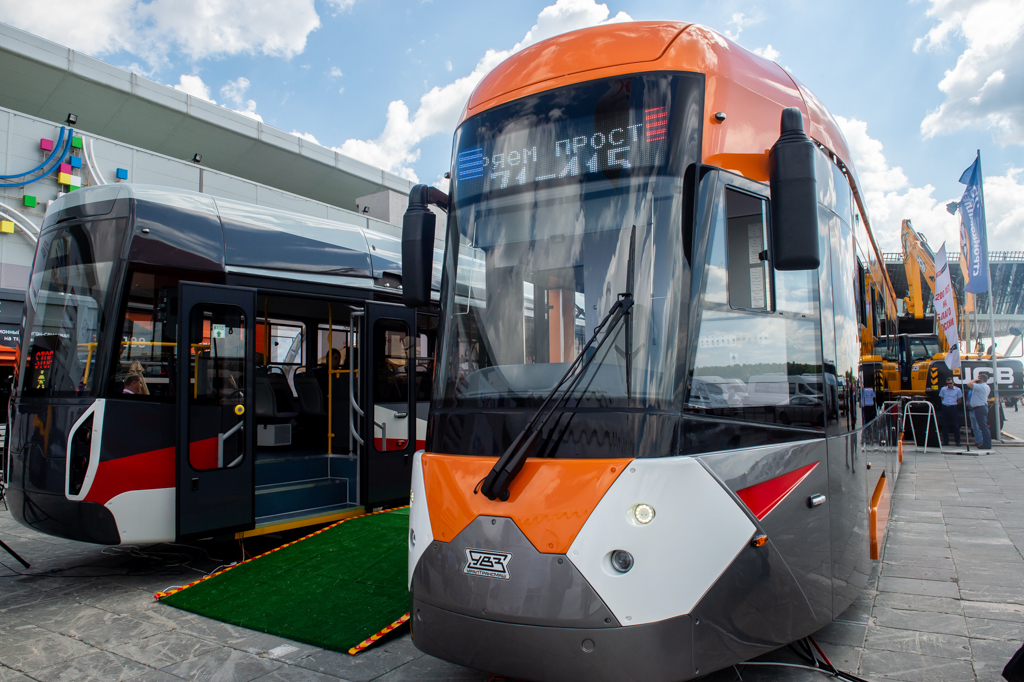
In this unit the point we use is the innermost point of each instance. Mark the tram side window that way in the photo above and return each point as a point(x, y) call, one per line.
point(330, 340)
point(144, 367)
point(426, 340)
point(758, 355)
point(747, 234)
point(217, 366)
point(281, 347)
point(391, 354)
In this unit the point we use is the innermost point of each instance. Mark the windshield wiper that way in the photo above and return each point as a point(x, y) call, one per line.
point(495, 485)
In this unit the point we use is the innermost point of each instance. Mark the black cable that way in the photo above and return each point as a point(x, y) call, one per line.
point(167, 562)
point(823, 666)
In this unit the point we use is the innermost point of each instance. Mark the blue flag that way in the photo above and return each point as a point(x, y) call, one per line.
point(973, 239)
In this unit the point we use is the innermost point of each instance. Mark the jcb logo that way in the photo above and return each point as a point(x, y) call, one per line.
point(487, 563)
point(1005, 375)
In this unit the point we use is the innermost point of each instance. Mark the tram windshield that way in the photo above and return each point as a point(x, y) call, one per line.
point(550, 192)
point(65, 311)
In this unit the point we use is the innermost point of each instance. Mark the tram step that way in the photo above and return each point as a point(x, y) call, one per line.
point(285, 498)
point(278, 470)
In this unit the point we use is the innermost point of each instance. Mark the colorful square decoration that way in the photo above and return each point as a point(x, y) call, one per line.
point(69, 180)
point(76, 161)
point(46, 145)
point(76, 143)
point(122, 173)
point(29, 200)
point(6, 226)
point(65, 168)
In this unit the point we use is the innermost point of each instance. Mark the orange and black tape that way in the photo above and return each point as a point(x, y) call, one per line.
point(373, 638)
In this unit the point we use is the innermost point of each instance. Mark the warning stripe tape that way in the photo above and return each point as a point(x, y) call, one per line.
point(373, 638)
point(161, 595)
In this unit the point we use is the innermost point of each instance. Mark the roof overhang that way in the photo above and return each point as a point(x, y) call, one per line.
point(41, 78)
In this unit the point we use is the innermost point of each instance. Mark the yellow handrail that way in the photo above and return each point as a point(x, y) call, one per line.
point(88, 364)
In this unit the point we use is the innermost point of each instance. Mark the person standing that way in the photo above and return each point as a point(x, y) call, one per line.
point(950, 397)
point(971, 421)
point(979, 406)
point(867, 403)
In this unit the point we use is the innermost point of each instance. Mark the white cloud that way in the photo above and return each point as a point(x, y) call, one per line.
point(194, 85)
point(341, 5)
point(448, 65)
point(890, 198)
point(769, 53)
point(308, 137)
point(396, 149)
point(1004, 210)
point(335, 72)
point(151, 30)
point(93, 26)
point(740, 21)
point(986, 87)
point(234, 91)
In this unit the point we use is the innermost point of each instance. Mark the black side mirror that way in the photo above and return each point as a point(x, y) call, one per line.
point(418, 244)
point(794, 196)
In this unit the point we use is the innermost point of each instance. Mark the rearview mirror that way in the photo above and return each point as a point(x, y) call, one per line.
point(418, 225)
point(794, 196)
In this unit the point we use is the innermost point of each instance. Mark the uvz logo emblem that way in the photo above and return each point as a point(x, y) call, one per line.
point(488, 564)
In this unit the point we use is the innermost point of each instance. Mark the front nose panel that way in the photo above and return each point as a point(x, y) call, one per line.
point(492, 571)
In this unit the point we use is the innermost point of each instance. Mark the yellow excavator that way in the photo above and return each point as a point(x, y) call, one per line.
point(920, 356)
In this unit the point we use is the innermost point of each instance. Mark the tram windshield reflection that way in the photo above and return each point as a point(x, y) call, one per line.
point(547, 195)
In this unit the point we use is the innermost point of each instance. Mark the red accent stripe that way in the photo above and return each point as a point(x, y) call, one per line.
point(202, 454)
point(762, 497)
point(144, 471)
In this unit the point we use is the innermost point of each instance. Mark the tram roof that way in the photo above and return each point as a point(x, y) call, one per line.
point(254, 237)
point(750, 90)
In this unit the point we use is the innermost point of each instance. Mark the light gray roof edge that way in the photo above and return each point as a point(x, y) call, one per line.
point(30, 46)
point(200, 201)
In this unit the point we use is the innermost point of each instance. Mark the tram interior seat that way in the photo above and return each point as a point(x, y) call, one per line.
point(311, 398)
point(271, 401)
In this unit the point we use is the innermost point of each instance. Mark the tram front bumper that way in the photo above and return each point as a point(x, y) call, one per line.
point(648, 653)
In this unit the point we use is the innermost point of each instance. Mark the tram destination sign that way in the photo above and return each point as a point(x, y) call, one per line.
point(568, 148)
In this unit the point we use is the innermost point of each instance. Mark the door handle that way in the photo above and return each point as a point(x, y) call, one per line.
point(401, 415)
point(816, 500)
point(221, 437)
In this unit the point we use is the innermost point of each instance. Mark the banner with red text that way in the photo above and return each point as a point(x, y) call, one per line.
point(945, 307)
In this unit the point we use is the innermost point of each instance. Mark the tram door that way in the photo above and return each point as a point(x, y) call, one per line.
point(389, 422)
point(216, 463)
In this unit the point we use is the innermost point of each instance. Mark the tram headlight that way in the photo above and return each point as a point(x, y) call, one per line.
point(643, 513)
point(622, 560)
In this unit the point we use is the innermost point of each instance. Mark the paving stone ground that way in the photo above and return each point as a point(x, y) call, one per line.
point(945, 603)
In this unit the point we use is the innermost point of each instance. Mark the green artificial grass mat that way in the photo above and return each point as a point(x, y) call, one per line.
point(332, 589)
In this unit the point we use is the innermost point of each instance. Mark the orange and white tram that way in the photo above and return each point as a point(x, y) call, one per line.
point(647, 456)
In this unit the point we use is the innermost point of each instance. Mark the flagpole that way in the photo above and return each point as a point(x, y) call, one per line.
point(998, 435)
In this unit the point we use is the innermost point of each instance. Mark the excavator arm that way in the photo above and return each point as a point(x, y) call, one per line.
point(919, 264)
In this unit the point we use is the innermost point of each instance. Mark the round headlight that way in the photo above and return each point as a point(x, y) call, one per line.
point(643, 513)
point(622, 560)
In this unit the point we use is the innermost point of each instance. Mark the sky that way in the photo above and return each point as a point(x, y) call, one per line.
point(917, 86)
